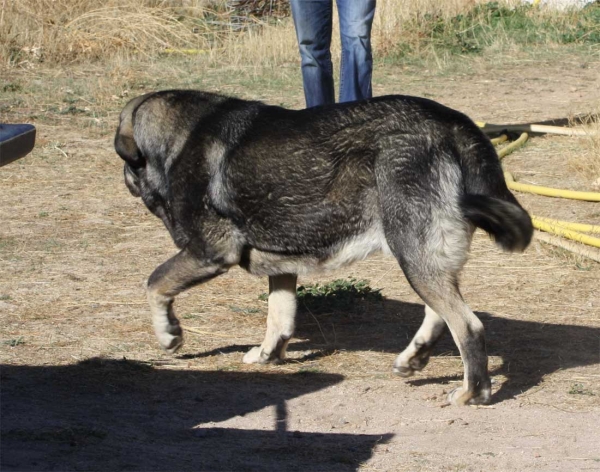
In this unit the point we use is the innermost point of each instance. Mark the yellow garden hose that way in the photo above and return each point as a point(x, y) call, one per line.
point(582, 228)
point(550, 230)
point(567, 233)
point(550, 192)
point(506, 150)
point(499, 139)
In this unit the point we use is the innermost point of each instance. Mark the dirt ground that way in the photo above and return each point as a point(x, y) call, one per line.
point(85, 386)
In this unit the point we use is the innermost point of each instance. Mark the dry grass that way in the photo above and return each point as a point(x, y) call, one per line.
point(63, 31)
point(275, 44)
point(587, 161)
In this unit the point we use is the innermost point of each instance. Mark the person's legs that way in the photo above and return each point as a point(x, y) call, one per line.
point(313, 22)
point(356, 19)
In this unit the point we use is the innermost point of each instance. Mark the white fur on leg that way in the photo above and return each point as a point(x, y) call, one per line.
point(254, 356)
point(431, 328)
point(280, 321)
point(166, 325)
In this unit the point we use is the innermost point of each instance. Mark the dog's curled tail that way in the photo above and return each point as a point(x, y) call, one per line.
point(506, 222)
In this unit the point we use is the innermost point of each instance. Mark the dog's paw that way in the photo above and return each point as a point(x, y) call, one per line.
point(257, 355)
point(461, 397)
point(403, 371)
point(407, 368)
point(172, 340)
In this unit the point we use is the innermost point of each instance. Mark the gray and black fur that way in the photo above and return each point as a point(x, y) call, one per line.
point(284, 193)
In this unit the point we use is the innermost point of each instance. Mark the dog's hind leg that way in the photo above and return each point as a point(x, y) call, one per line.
point(434, 276)
point(416, 355)
point(427, 232)
point(179, 273)
point(280, 321)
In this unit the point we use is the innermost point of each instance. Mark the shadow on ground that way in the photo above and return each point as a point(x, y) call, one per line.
point(124, 415)
point(530, 350)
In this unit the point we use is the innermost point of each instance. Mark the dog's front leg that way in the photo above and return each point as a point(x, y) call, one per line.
point(416, 356)
point(280, 321)
point(179, 273)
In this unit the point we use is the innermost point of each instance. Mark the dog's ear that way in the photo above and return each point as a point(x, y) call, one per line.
point(125, 144)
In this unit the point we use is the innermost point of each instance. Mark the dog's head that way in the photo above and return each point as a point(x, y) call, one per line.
point(138, 142)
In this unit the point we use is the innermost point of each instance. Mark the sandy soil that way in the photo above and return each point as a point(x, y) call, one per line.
point(85, 387)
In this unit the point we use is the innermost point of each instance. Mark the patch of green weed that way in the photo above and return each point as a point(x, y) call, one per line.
point(12, 87)
point(309, 370)
point(246, 311)
point(73, 110)
point(494, 24)
point(340, 294)
point(14, 342)
point(579, 389)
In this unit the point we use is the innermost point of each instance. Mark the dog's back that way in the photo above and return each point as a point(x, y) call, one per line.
point(306, 182)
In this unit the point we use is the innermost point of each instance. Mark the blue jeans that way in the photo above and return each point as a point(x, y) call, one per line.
point(313, 22)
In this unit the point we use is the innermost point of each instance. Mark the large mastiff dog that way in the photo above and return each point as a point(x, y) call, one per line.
point(284, 193)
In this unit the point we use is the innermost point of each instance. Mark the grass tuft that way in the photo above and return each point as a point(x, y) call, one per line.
point(338, 295)
point(579, 389)
point(14, 342)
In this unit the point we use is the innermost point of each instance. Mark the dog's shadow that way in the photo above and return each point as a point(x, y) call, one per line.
point(529, 350)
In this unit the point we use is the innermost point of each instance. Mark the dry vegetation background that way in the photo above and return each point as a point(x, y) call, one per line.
point(66, 31)
point(75, 248)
